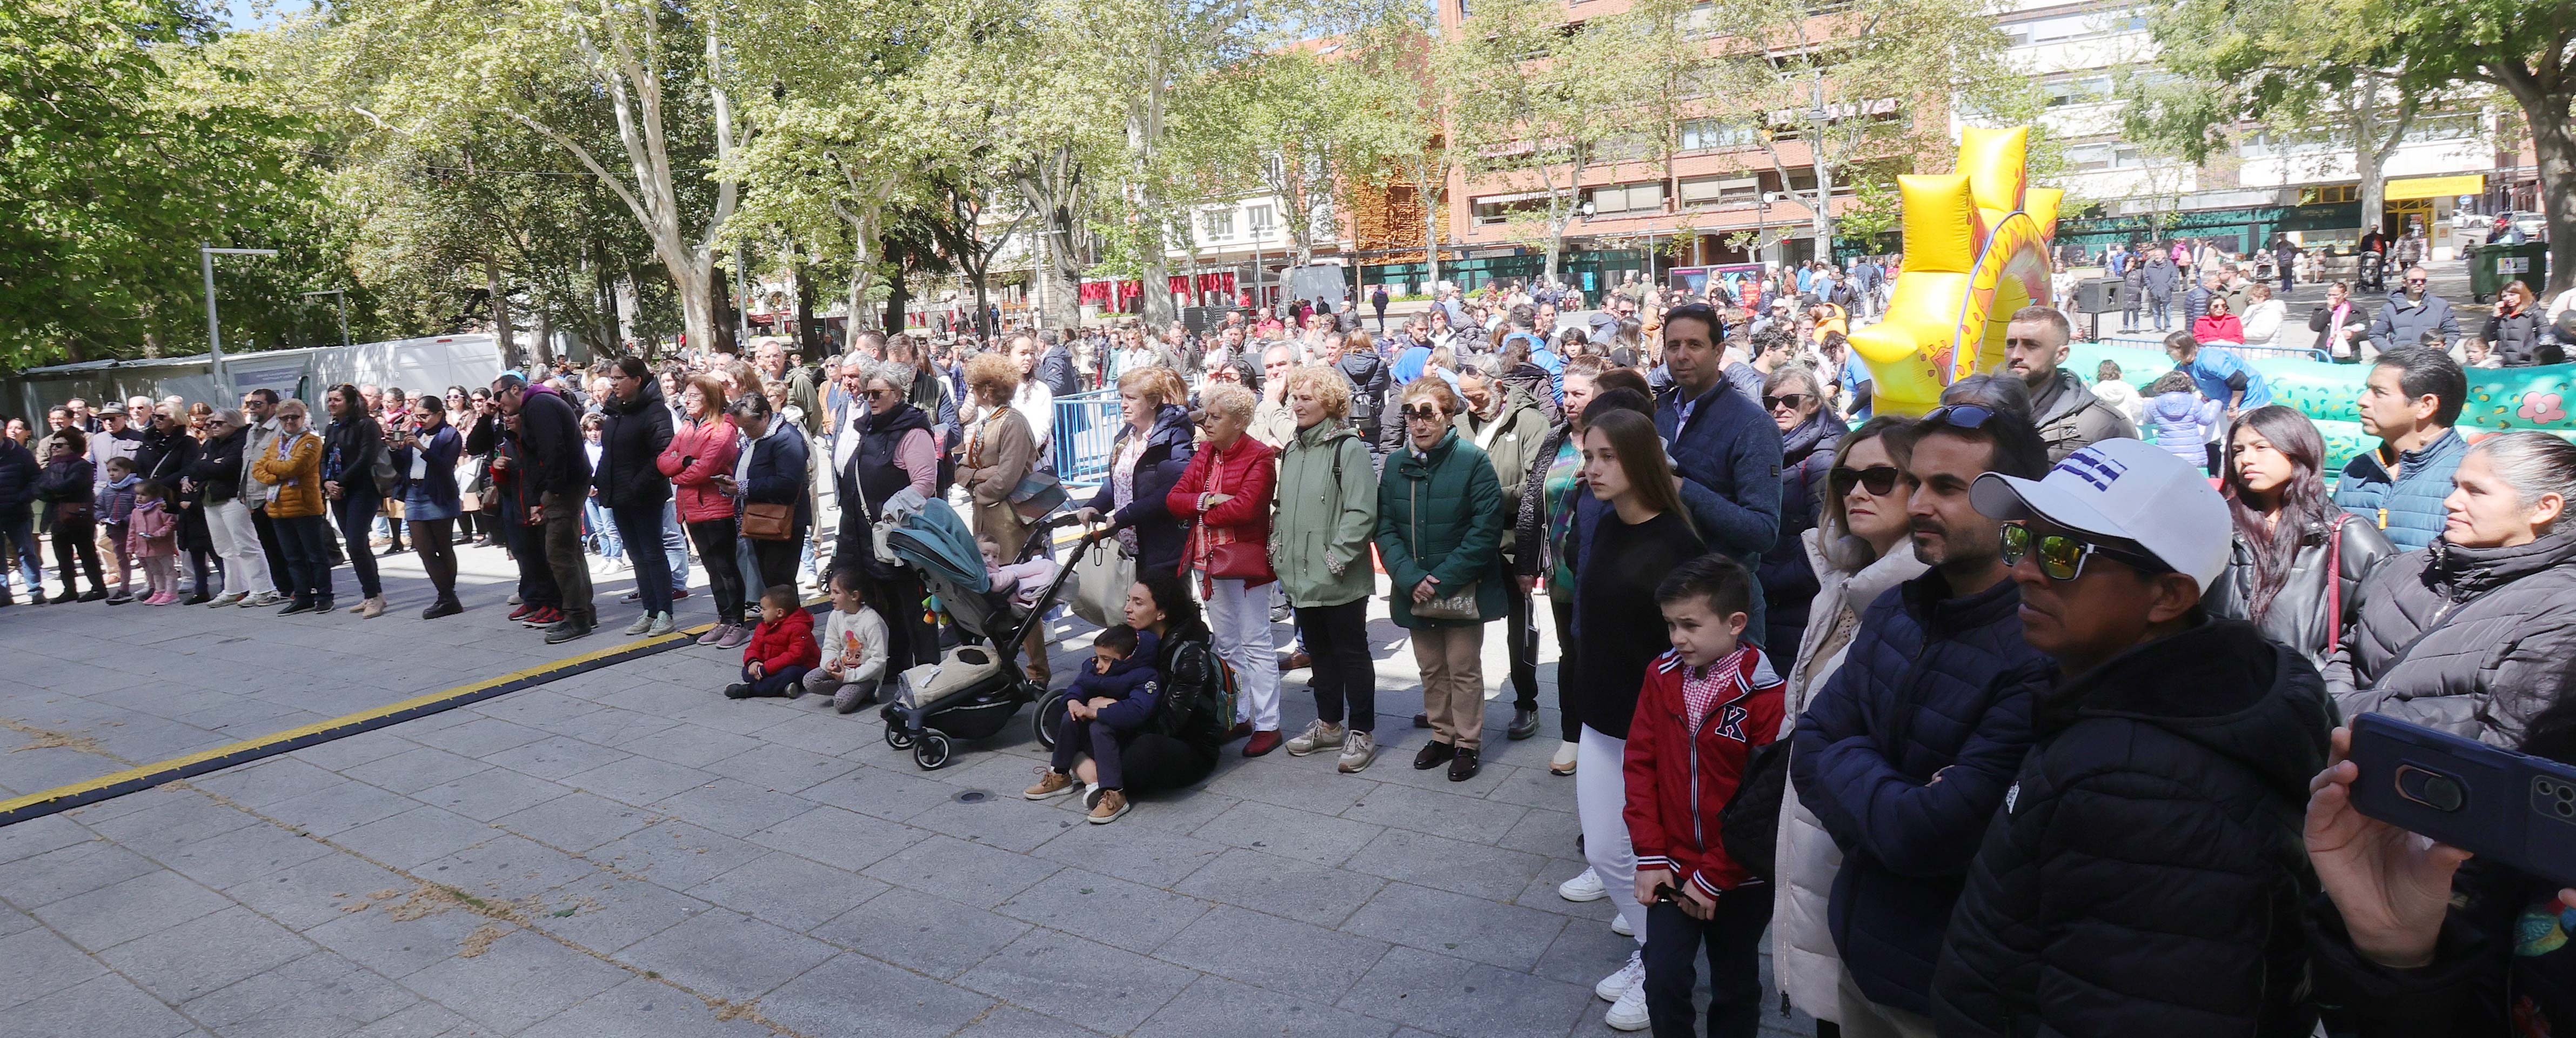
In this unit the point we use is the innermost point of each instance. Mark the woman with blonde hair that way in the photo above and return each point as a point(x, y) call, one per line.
point(1224, 497)
point(1319, 546)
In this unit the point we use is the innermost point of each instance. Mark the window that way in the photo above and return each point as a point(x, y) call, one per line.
point(2088, 90)
point(1494, 209)
point(2330, 195)
point(1705, 134)
point(1220, 223)
point(1259, 218)
point(1720, 190)
point(2086, 158)
point(1625, 198)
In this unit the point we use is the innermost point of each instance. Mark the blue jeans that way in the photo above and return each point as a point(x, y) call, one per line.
point(602, 534)
point(356, 514)
point(642, 525)
point(308, 560)
point(675, 546)
point(20, 529)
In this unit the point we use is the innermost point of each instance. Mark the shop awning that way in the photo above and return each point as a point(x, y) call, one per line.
point(2437, 187)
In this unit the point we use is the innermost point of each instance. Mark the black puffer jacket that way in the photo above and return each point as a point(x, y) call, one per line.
point(2515, 338)
point(2146, 875)
point(218, 468)
point(18, 470)
point(632, 435)
point(2473, 641)
point(2504, 965)
point(1788, 582)
point(2297, 614)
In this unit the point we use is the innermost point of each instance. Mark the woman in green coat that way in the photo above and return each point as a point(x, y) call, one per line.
point(1319, 546)
point(1440, 532)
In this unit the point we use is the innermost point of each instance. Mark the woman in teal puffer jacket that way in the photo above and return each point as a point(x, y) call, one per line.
point(1440, 533)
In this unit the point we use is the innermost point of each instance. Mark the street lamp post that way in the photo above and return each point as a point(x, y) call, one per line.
point(342, 296)
point(214, 328)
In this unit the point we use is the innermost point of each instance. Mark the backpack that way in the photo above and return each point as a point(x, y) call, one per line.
point(1198, 696)
point(1749, 826)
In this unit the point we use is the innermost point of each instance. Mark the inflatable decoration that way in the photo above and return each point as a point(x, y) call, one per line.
point(1976, 249)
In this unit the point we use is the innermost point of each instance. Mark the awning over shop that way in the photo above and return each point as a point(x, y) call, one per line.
point(2436, 187)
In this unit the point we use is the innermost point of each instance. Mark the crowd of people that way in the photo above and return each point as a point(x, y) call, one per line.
point(2005, 719)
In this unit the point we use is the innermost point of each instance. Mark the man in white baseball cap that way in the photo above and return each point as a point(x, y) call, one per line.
point(2141, 845)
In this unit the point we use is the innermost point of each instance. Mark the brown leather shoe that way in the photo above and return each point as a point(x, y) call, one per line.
point(1296, 661)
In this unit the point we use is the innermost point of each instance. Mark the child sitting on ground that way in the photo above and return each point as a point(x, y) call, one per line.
point(152, 536)
point(853, 649)
point(1705, 707)
point(2179, 420)
point(1023, 581)
point(1103, 708)
point(781, 650)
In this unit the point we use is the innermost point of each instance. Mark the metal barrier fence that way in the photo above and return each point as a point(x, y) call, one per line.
point(2157, 342)
point(1086, 428)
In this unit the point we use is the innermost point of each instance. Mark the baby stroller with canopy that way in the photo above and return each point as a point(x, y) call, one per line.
point(977, 685)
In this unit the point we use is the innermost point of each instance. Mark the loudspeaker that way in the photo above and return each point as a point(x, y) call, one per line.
point(2098, 296)
point(1198, 319)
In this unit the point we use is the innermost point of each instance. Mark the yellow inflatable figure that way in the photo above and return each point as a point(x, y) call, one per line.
point(1976, 249)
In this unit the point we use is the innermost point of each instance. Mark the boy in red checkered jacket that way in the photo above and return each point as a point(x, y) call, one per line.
point(1705, 706)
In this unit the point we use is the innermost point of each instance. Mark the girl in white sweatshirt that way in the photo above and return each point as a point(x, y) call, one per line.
point(854, 650)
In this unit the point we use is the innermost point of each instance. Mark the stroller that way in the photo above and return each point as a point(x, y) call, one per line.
point(976, 687)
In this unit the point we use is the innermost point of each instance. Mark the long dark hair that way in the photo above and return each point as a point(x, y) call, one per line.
point(2303, 503)
point(1641, 457)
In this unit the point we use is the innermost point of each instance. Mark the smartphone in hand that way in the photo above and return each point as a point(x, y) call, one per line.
point(2495, 803)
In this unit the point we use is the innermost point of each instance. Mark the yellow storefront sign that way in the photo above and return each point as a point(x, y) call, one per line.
point(2437, 187)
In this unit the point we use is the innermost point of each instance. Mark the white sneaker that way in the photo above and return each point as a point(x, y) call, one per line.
point(1631, 977)
point(662, 624)
point(1619, 925)
point(1629, 1012)
point(1585, 886)
point(642, 624)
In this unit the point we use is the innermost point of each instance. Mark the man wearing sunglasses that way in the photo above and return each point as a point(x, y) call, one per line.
point(1906, 752)
point(2069, 416)
point(2413, 315)
point(2143, 876)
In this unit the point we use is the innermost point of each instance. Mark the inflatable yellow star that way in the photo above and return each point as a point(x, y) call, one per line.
point(1976, 249)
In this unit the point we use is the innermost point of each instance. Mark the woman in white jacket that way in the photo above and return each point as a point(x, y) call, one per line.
point(1859, 551)
point(2263, 315)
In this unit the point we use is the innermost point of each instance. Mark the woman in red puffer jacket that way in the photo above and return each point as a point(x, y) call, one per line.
point(1224, 499)
point(701, 454)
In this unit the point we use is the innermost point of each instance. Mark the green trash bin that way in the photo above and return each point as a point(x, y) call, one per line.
point(2491, 267)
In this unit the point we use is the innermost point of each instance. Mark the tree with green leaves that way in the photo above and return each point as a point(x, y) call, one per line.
point(2528, 51)
point(1529, 106)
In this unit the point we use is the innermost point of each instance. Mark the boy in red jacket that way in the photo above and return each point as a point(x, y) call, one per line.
point(1705, 706)
point(781, 650)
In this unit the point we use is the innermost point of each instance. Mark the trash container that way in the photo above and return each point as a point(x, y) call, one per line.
point(2491, 267)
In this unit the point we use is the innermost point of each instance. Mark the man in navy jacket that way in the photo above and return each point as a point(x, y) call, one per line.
point(1725, 449)
point(555, 479)
point(1906, 752)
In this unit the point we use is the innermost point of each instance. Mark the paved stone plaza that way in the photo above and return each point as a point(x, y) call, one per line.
point(628, 853)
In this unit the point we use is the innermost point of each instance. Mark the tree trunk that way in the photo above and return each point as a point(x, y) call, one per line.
point(2555, 145)
point(502, 334)
point(897, 301)
point(809, 333)
point(543, 333)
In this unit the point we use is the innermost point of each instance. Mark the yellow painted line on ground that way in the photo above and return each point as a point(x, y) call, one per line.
point(104, 787)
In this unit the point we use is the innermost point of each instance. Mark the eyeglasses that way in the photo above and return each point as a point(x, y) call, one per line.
point(1879, 480)
point(1425, 413)
point(2062, 556)
point(2414, 281)
point(1792, 401)
point(1961, 416)
point(881, 394)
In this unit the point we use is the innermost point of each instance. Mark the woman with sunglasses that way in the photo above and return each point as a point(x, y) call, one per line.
point(2295, 561)
point(1795, 398)
point(2218, 325)
point(1440, 532)
point(1857, 550)
point(705, 446)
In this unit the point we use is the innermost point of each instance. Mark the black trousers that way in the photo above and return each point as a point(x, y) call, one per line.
point(1344, 675)
point(77, 541)
point(1520, 643)
point(1733, 940)
point(280, 575)
point(355, 515)
point(910, 641)
point(777, 559)
point(1569, 721)
point(536, 581)
point(564, 557)
point(434, 539)
point(714, 538)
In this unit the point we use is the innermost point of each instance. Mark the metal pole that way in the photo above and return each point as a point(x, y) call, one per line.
point(214, 327)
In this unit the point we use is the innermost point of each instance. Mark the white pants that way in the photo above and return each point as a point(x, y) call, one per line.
point(1601, 805)
point(1239, 617)
point(237, 541)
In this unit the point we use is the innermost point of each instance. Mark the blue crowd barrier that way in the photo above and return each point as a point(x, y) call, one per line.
point(1086, 428)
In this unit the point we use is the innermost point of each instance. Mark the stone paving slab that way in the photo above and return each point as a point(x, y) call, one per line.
point(627, 853)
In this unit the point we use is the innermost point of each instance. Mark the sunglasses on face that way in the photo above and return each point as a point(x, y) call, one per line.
point(2062, 556)
point(1424, 413)
point(1879, 480)
point(881, 394)
point(1792, 401)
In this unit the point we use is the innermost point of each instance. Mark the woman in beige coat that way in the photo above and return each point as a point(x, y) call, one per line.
point(1859, 550)
point(1000, 451)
